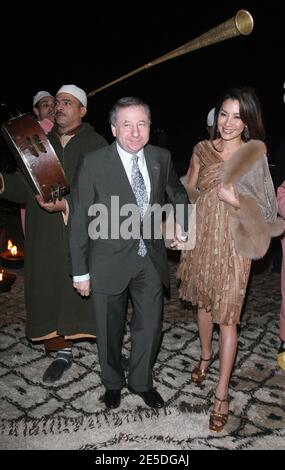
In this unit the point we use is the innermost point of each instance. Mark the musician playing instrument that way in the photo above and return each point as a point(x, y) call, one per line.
point(56, 314)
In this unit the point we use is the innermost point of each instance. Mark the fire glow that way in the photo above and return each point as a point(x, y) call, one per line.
point(12, 248)
point(13, 257)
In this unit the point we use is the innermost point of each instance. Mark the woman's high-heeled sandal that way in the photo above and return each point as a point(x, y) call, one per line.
point(218, 420)
point(198, 375)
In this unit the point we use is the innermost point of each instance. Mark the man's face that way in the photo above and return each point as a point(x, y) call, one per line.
point(132, 128)
point(68, 111)
point(45, 108)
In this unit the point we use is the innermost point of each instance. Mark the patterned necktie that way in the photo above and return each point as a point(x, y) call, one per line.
point(141, 196)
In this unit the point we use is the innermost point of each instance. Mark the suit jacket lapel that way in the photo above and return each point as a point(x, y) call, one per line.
point(119, 181)
point(153, 167)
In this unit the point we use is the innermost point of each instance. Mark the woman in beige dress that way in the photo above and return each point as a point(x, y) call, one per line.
point(214, 275)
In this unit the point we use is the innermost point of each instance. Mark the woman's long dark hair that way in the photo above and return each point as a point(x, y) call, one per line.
point(250, 113)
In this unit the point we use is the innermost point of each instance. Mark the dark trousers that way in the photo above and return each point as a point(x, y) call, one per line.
point(145, 289)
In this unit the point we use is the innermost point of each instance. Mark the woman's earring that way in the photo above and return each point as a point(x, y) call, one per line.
point(246, 134)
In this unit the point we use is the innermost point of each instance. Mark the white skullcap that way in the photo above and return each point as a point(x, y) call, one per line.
point(39, 96)
point(75, 91)
point(210, 117)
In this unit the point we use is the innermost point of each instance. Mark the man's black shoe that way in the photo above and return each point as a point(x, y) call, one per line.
point(112, 399)
point(151, 398)
point(56, 369)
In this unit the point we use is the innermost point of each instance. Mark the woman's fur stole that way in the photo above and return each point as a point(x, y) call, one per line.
point(255, 222)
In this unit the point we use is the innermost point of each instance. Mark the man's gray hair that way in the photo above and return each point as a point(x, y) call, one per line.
point(126, 102)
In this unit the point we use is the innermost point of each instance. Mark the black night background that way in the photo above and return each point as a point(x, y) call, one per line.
point(92, 44)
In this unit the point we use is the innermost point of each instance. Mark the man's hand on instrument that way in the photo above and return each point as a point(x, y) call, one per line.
point(46, 124)
point(57, 206)
point(83, 288)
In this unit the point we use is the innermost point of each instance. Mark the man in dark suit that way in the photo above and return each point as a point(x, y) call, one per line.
point(125, 175)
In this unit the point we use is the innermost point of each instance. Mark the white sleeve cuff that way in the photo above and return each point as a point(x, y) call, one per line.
point(84, 277)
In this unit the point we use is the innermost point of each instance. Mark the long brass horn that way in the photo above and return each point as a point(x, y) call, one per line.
point(241, 23)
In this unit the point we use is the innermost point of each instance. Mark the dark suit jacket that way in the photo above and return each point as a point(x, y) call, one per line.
point(111, 262)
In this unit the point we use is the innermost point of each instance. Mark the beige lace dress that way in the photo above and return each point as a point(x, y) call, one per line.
point(213, 275)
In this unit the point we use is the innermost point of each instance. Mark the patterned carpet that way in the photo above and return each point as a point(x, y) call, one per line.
point(70, 416)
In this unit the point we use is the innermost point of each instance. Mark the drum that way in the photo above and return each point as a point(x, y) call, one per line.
point(36, 157)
